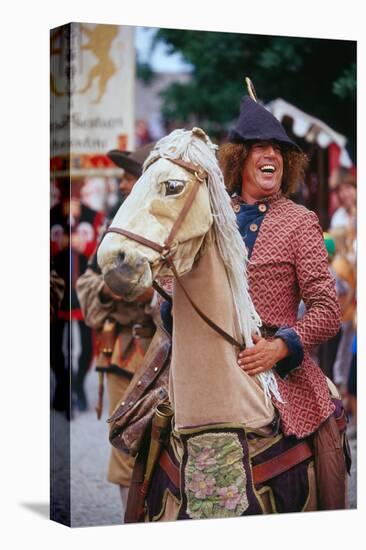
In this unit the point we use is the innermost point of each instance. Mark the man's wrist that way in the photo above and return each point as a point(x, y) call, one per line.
point(282, 350)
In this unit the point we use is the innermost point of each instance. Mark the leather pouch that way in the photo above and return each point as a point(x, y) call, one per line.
point(148, 388)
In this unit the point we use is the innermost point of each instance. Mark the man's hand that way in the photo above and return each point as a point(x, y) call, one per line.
point(146, 297)
point(262, 356)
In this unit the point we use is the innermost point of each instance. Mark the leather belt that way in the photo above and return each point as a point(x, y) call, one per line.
point(288, 459)
point(261, 472)
point(281, 463)
point(171, 469)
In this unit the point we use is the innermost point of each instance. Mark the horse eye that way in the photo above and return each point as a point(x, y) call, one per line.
point(173, 187)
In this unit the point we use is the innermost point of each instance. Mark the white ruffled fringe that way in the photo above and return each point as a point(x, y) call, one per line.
point(269, 385)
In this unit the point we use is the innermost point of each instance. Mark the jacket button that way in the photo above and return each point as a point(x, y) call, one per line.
point(139, 383)
point(156, 369)
point(236, 208)
point(253, 227)
point(262, 207)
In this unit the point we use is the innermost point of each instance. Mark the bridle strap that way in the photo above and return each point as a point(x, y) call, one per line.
point(138, 238)
point(165, 250)
point(178, 222)
point(197, 171)
point(200, 176)
point(203, 316)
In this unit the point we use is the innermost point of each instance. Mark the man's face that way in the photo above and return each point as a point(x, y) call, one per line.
point(262, 171)
point(127, 182)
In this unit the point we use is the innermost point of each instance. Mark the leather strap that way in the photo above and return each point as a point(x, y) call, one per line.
point(182, 214)
point(165, 248)
point(196, 170)
point(261, 472)
point(138, 238)
point(281, 463)
point(203, 316)
point(158, 363)
point(171, 469)
point(115, 369)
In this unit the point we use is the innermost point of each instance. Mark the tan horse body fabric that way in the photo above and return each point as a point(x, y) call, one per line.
point(206, 384)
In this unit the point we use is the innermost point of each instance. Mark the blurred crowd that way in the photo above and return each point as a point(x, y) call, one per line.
point(338, 357)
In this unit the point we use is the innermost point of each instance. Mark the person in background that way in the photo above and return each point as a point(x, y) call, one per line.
point(345, 188)
point(125, 329)
point(74, 233)
point(327, 352)
point(344, 267)
point(352, 389)
point(142, 132)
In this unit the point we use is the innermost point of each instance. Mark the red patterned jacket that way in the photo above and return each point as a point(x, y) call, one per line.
point(288, 263)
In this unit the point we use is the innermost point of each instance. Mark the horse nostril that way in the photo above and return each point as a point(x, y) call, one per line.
point(121, 257)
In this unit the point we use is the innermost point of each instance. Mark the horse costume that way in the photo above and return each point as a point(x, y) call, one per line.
point(222, 458)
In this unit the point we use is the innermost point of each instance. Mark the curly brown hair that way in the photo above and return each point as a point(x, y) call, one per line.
point(231, 158)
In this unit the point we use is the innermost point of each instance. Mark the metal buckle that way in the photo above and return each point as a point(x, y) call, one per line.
point(165, 253)
point(200, 174)
point(135, 327)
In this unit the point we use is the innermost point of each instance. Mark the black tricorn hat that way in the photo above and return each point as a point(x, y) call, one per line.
point(131, 161)
point(256, 123)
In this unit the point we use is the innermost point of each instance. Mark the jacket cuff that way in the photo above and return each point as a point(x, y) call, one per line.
point(296, 351)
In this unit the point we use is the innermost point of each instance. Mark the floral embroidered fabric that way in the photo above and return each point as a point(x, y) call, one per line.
point(215, 476)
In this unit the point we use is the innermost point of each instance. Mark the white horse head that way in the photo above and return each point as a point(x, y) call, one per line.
point(150, 211)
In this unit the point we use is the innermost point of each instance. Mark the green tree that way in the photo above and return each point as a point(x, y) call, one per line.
point(316, 75)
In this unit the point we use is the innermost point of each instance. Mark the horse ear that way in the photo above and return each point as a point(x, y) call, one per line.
point(200, 133)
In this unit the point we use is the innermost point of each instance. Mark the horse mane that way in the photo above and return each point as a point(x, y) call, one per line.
point(195, 146)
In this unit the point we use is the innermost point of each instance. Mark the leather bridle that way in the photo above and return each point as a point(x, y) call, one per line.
point(165, 250)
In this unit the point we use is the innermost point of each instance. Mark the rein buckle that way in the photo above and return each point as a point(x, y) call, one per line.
point(200, 174)
point(165, 253)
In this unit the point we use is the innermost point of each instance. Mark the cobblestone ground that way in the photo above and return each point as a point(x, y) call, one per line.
point(95, 501)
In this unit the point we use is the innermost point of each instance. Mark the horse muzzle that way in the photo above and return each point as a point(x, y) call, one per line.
point(129, 277)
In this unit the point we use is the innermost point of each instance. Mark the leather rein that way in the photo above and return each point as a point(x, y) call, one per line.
point(166, 252)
